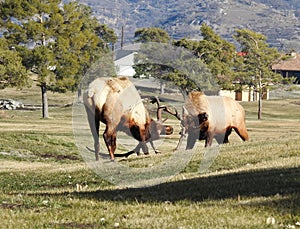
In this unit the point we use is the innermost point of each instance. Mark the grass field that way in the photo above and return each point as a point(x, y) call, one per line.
point(46, 184)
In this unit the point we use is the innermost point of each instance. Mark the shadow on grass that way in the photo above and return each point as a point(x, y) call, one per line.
point(270, 183)
point(281, 187)
point(244, 184)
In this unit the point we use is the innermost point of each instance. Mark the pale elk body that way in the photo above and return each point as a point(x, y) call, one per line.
point(208, 117)
point(116, 103)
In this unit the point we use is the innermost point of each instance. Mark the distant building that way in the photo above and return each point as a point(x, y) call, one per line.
point(289, 67)
point(248, 94)
point(124, 60)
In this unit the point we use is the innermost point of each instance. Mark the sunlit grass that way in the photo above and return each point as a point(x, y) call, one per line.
point(46, 184)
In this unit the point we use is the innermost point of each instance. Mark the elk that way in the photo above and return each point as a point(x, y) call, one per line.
point(115, 102)
point(209, 117)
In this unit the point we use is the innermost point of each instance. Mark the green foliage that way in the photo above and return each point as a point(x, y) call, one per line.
point(41, 59)
point(174, 64)
point(215, 52)
point(151, 34)
point(210, 61)
point(12, 72)
point(254, 68)
point(106, 33)
point(191, 45)
point(78, 46)
point(57, 41)
point(65, 39)
point(170, 63)
point(103, 67)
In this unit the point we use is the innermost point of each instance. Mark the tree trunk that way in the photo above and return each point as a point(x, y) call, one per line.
point(260, 91)
point(259, 105)
point(79, 95)
point(162, 88)
point(44, 100)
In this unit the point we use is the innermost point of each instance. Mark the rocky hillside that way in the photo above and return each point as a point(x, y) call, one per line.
point(279, 20)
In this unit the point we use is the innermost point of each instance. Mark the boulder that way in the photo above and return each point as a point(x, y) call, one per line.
point(10, 104)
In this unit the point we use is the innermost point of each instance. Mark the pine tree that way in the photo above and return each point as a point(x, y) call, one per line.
point(152, 34)
point(56, 41)
point(254, 68)
point(216, 53)
point(12, 71)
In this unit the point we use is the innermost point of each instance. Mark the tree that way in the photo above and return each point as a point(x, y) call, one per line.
point(12, 71)
point(56, 41)
point(146, 35)
point(217, 53)
point(177, 63)
point(254, 67)
point(152, 34)
point(173, 64)
point(107, 34)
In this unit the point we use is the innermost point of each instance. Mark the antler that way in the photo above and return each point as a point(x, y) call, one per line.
point(161, 108)
point(158, 111)
point(173, 112)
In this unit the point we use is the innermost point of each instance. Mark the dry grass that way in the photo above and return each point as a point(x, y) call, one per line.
point(45, 184)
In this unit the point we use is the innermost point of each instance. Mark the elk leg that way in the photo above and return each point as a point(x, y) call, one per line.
point(179, 142)
point(141, 145)
point(144, 148)
point(182, 135)
point(110, 138)
point(228, 132)
point(220, 138)
point(242, 132)
point(191, 139)
point(153, 147)
point(137, 149)
point(94, 122)
point(209, 139)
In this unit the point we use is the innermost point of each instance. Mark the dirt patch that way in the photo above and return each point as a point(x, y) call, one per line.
point(60, 157)
point(73, 225)
point(3, 115)
point(296, 102)
point(11, 206)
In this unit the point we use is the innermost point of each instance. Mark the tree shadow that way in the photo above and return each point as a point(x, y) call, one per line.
point(283, 183)
point(273, 183)
point(269, 182)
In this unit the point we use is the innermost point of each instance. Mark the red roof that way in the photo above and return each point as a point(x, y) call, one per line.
point(242, 53)
point(290, 64)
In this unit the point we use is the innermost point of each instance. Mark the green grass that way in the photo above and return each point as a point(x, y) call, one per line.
point(46, 184)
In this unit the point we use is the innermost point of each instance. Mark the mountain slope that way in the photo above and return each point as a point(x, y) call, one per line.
point(277, 19)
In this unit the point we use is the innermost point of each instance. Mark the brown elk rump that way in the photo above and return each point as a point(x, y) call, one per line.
point(116, 103)
point(208, 117)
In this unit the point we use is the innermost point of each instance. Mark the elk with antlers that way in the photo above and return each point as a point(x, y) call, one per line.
point(116, 103)
point(208, 117)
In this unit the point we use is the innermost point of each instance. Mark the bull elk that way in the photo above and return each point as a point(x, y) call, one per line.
point(116, 103)
point(209, 117)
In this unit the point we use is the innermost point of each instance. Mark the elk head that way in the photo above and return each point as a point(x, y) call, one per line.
point(195, 125)
point(155, 128)
point(158, 127)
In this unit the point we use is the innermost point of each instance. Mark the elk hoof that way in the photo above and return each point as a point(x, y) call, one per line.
point(157, 151)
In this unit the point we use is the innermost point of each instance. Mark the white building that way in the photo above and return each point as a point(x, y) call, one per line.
point(124, 60)
point(247, 95)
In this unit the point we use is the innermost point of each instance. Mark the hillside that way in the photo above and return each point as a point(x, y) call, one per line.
point(277, 19)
